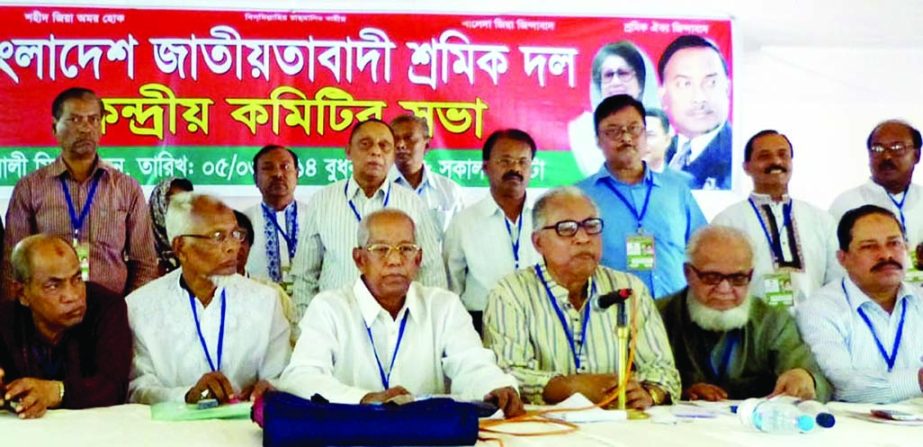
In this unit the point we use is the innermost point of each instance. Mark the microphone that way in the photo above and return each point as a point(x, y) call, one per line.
point(606, 301)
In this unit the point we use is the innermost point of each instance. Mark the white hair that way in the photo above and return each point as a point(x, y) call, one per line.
point(721, 232)
point(540, 209)
point(363, 232)
point(718, 320)
point(181, 212)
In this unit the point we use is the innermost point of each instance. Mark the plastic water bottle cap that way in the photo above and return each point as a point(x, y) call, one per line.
point(825, 420)
point(805, 423)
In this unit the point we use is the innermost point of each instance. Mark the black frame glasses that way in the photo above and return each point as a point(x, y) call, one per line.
point(738, 279)
point(569, 228)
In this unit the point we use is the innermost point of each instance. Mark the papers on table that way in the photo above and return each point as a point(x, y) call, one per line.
point(181, 411)
point(595, 414)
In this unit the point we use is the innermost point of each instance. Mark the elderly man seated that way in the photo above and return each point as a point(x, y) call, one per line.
point(544, 326)
point(203, 331)
point(63, 343)
point(867, 329)
point(728, 345)
point(388, 335)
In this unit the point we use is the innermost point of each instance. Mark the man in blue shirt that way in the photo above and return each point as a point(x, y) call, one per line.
point(649, 216)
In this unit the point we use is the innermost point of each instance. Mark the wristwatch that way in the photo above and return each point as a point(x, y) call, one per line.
point(658, 395)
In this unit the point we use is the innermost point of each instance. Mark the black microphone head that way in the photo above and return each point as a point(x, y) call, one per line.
point(606, 300)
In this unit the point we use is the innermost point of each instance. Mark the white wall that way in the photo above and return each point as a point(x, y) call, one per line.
point(790, 74)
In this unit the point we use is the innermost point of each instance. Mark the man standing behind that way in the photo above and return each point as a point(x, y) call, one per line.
point(86, 201)
point(324, 259)
point(726, 344)
point(795, 242)
point(866, 330)
point(696, 96)
point(278, 219)
point(441, 195)
point(202, 331)
point(63, 343)
point(894, 152)
point(652, 215)
point(420, 338)
point(476, 250)
point(544, 324)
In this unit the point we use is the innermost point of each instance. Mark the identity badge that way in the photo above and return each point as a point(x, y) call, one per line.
point(287, 283)
point(913, 275)
point(778, 289)
point(640, 252)
point(83, 256)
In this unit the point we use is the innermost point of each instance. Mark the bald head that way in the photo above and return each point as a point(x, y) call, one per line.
point(717, 241)
point(188, 209)
point(33, 249)
point(385, 216)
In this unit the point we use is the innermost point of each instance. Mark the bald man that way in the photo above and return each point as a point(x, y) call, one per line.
point(63, 343)
point(726, 344)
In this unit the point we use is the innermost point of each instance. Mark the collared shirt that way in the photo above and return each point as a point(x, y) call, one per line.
point(439, 352)
point(258, 263)
point(875, 194)
point(760, 351)
point(698, 143)
point(478, 250)
point(325, 245)
point(672, 216)
point(521, 326)
point(442, 196)
point(118, 226)
point(169, 356)
point(815, 242)
point(92, 358)
point(845, 347)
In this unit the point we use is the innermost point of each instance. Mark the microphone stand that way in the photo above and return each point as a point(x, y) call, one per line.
point(622, 336)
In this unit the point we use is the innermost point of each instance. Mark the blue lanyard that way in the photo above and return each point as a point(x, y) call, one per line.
point(198, 328)
point(889, 360)
point(557, 309)
point(721, 369)
point(291, 242)
point(77, 221)
point(515, 243)
point(639, 217)
point(775, 244)
point(352, 205)
point(900, 205)
point(386, 378)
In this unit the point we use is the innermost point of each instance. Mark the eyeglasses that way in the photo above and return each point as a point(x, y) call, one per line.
point(895, 148)
point(616, 132)
point(714, 278)
point(568, 228)
point(382, 251)
point(507, 163)
point(219, 236)
point(624, 75)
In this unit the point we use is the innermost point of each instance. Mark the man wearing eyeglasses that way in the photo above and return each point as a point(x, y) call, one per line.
point(278, 219)
point(894, 152)
point(489, 240)
point(728, 345)
point(387, 337)
point(545, 322)
point(86, 201)
point(794, 241)
point(643, 208)
point(696, 95)
point(203, 331)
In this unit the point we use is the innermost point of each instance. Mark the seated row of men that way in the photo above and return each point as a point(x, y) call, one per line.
point(66, 344)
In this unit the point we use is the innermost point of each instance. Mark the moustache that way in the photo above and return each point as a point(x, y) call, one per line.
point(886, 263)
point(887, 164)
point(771, 167)
point(513, 175)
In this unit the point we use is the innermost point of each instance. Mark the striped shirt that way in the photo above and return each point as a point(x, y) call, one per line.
point(846, 350)
point(325, 244)
point(118, 226)
point(523, 329)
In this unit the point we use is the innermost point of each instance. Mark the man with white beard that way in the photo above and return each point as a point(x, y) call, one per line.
point(726, 344)
point(203, 331)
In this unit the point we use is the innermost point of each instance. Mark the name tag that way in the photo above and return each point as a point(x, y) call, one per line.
point(287, 284)
point(83, 256)
point(913, 275)
point(640, 252)
point(778, 289)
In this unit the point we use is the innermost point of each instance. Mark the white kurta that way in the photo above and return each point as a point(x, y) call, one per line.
point(168, 356)
point(440, 351)
point(872, 193)
point(478, 250)
point(258, 263)
point(816, 236)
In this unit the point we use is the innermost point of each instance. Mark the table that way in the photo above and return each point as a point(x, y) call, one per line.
point(131, 425)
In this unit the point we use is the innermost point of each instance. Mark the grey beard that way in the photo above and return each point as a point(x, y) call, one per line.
point(718, 320)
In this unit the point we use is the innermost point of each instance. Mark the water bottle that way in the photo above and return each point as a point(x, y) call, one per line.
point(822, 415)
point(772, 416)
